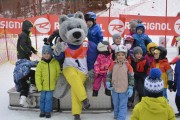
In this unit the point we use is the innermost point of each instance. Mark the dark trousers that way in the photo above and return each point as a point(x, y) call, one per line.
point(24, 84)
point(139, 86)
point(177, 101)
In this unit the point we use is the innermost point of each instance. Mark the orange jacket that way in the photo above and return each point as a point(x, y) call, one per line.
point(167, 71)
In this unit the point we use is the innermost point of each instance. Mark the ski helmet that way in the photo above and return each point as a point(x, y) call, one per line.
point(163, 52)
point(129, 38)
point(121, 48)
point(103, 46)
point(151, 45)
point(90, 16)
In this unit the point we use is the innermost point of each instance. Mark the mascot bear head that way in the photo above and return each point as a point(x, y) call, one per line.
point(73, 30)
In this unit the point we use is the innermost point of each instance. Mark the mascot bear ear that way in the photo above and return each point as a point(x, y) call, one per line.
point(62, 18)
point(79, 15)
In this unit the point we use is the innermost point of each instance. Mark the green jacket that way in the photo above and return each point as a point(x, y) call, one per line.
point(153, 109)
point(47, 75)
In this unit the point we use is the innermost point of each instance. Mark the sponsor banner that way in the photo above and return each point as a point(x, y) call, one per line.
point(46, 24)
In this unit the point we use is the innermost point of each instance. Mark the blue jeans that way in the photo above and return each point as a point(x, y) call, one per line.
point(120, 105)
point(46, 101)
point(165, 93)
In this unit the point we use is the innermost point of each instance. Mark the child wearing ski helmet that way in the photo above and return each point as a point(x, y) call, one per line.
point(161, 62)
point(94, 32)
point(121, 76)
point(101, 67)
point(153, 105)
point(128, 42)
point(140, 67)
point(150, 56)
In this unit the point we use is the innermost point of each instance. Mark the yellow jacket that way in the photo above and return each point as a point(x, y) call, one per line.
point(47, 74)
point(153, 109)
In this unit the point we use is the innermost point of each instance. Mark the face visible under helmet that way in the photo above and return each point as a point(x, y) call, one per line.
point(151, 45)
point(163, 52)
point(90, 16)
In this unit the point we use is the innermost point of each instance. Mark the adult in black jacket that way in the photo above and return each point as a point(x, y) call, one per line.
point(24, 46)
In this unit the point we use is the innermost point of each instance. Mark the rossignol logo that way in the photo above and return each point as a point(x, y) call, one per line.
point(116, 26)
point(177, 26)
point(42, 25)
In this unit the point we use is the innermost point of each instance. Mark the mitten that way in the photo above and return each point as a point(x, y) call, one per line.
point(170, 85)
point(130, 91)
point(108, 86)
point(59, 47)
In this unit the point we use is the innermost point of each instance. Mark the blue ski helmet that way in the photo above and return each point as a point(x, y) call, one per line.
point(90, 16)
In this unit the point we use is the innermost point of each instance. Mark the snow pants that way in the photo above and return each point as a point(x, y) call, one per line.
point(46, 98)
point(76, 80)
point(24, 83)
point(120, 105)
point(98, 80)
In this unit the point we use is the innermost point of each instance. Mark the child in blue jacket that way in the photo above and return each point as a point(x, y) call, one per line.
point(141, 39)
point(177, 84)
point(23, 77)
point(94, 32)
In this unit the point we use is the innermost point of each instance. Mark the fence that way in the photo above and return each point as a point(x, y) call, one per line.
point(46, 24)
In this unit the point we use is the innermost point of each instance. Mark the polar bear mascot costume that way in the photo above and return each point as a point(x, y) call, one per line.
point(79, 56)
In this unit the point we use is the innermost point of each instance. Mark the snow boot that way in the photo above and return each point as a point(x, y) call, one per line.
point(48, 115)
point(77, 117)
point(32, 89)
point(95, 93)
point(86, 104)
point(23, 101)
point(42, 114)
point(107, 92)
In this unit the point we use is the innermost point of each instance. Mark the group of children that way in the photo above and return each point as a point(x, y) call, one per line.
point(138, 66)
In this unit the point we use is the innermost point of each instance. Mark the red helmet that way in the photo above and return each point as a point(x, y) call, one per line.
point(128, 38)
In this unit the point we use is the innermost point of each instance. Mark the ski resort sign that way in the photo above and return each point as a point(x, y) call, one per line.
point(46, 24)
point(116, 26)
point(42, 25)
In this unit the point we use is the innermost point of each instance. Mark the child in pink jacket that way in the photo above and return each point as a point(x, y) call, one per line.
point(101, 67)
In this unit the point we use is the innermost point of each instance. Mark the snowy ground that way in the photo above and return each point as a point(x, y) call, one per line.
point(6, 71)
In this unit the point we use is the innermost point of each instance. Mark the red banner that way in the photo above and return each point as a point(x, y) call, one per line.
point(46, 24)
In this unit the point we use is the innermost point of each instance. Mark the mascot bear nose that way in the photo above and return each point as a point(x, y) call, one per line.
point(77, 35)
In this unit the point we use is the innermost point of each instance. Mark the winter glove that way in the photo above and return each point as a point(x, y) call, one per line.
point(90, 76)
point(174, 87)
point(59, 47)
point(130, 91)
point(170, 85)
point(108, 86)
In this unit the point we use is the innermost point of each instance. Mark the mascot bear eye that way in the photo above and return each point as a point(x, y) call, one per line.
point(79, 26)
point(69, 28)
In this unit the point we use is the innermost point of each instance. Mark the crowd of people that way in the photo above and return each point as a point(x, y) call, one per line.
point(135, 72)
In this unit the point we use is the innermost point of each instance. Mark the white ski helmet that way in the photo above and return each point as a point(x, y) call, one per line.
point(103, 46)
point(121, 48)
